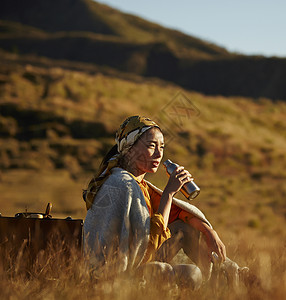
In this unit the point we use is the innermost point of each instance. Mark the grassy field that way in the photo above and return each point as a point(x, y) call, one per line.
point(56, 123)
point(53, 276)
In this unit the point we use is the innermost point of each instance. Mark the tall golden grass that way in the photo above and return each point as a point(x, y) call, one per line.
point(56, 275)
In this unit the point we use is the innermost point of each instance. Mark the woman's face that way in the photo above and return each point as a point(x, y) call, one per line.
point(146, 154)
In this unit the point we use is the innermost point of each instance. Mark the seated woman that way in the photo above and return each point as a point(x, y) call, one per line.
point(129, 221)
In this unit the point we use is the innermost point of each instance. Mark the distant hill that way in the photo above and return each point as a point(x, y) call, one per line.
point(53, 16)
point(90, 16)
point(86, 31)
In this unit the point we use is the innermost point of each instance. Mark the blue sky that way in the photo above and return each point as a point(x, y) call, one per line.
point(252, 27)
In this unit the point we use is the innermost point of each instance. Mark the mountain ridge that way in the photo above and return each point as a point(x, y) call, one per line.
point(94, 33)
point(96, 18)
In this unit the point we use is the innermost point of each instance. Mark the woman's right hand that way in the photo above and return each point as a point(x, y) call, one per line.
point(177, 179)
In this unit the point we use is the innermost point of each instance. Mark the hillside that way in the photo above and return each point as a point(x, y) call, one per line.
point(57, 119)
point(94, 33)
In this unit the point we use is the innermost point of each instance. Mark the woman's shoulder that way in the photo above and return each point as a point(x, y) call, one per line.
point(119, 185)
point(120, 178)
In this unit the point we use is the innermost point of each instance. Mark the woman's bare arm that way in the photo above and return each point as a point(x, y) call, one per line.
point(212, 239)
point(177, 179)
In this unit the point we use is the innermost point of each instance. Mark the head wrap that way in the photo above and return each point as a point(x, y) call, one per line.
point(126, 136)
point(130, 131)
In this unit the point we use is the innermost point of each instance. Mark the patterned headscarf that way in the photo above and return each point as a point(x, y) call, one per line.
point(126, 136)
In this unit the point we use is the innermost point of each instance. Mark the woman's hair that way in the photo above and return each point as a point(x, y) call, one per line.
point(113, 151)
point(121, 158)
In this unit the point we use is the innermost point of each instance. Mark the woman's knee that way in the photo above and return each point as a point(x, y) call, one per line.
point(157, 273)
point(182, 275)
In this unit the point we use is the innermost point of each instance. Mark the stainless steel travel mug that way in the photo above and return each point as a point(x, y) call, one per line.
point(190, 190)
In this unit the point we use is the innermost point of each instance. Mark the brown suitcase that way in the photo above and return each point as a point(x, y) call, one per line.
point(27, 234)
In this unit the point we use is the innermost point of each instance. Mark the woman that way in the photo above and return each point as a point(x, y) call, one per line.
point(129, 221)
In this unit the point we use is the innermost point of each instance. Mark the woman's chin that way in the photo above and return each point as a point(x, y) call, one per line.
point(153, 170)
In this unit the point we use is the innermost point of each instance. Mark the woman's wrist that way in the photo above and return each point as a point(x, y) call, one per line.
point(169, 191)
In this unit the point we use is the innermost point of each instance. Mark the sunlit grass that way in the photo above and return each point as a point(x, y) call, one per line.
point(54, 275)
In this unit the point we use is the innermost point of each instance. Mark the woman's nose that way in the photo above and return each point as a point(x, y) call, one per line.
point(158, 152)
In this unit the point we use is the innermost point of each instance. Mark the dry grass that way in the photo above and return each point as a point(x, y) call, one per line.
point(56, 276)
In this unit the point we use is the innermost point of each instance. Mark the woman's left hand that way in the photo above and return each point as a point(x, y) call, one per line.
point(215, 244)
point(213, 241)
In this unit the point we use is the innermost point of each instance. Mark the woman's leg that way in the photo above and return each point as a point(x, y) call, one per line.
point(189, 239)
point(183, 237)
point(194, 246)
